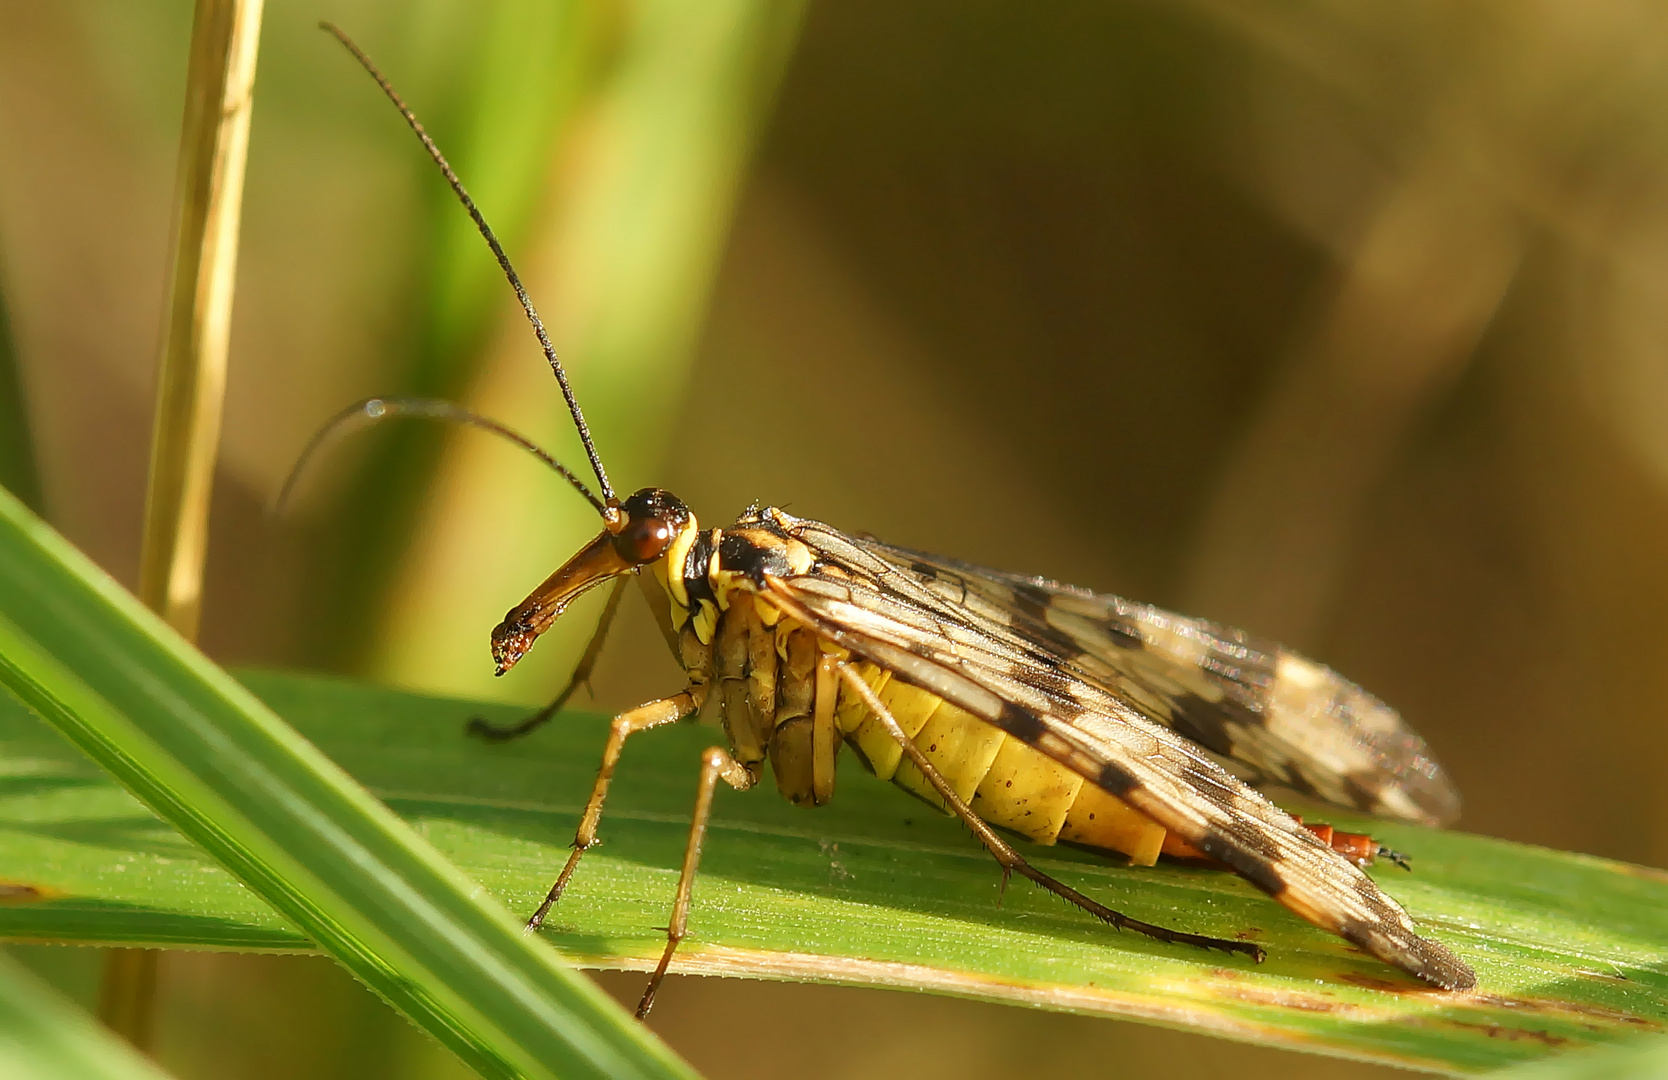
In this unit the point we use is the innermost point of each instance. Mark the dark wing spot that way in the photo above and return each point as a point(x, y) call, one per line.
point(1114, 780)
point(1260, 867)
point(1211, 723)
point(1032, 601)
point(1020, 723)
point(1122, 635)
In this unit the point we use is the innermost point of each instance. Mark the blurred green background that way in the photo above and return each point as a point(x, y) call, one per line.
point(1345, 324)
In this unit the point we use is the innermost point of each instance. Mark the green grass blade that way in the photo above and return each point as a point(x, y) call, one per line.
point(264, 803)
point(45, 1037)
point(874, 889)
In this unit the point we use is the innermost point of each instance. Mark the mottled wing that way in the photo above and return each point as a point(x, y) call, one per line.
point(966, 651)
point(1291, 720)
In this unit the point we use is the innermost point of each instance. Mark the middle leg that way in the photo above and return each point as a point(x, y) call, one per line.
point(716, 764)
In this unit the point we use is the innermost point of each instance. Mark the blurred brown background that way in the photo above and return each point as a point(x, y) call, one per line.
point(1345, 324)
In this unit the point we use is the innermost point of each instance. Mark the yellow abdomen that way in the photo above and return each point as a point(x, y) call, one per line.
point(1006, 782)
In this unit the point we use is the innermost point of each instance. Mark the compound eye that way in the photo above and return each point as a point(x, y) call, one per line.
point(644, 539)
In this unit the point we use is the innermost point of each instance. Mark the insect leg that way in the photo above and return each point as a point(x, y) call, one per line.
point(1009, 859)
point(581, 677)
point(716, 764)
point(642, 718)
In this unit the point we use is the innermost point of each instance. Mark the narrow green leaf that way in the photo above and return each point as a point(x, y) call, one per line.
point(220, 767)
point(875, 889)
point(45, 1037)
point(506, 79)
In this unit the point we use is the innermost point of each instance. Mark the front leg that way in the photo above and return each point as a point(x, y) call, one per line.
point(653, 715)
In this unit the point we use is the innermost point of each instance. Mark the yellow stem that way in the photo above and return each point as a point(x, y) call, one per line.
point(192, 374)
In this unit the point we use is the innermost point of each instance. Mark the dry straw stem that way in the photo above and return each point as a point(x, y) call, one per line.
point(191, 377)
point(191, 380)
point(127, 994)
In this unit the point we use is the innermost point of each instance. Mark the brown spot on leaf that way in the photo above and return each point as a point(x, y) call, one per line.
point(1550, 1006)
point(16, 892)
point(1511, 1034)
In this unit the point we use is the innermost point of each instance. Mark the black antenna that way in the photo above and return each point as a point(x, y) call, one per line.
point(371, 410)
point(498, 252)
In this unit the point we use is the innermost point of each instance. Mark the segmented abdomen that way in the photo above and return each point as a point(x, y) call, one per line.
point(1005, 781)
